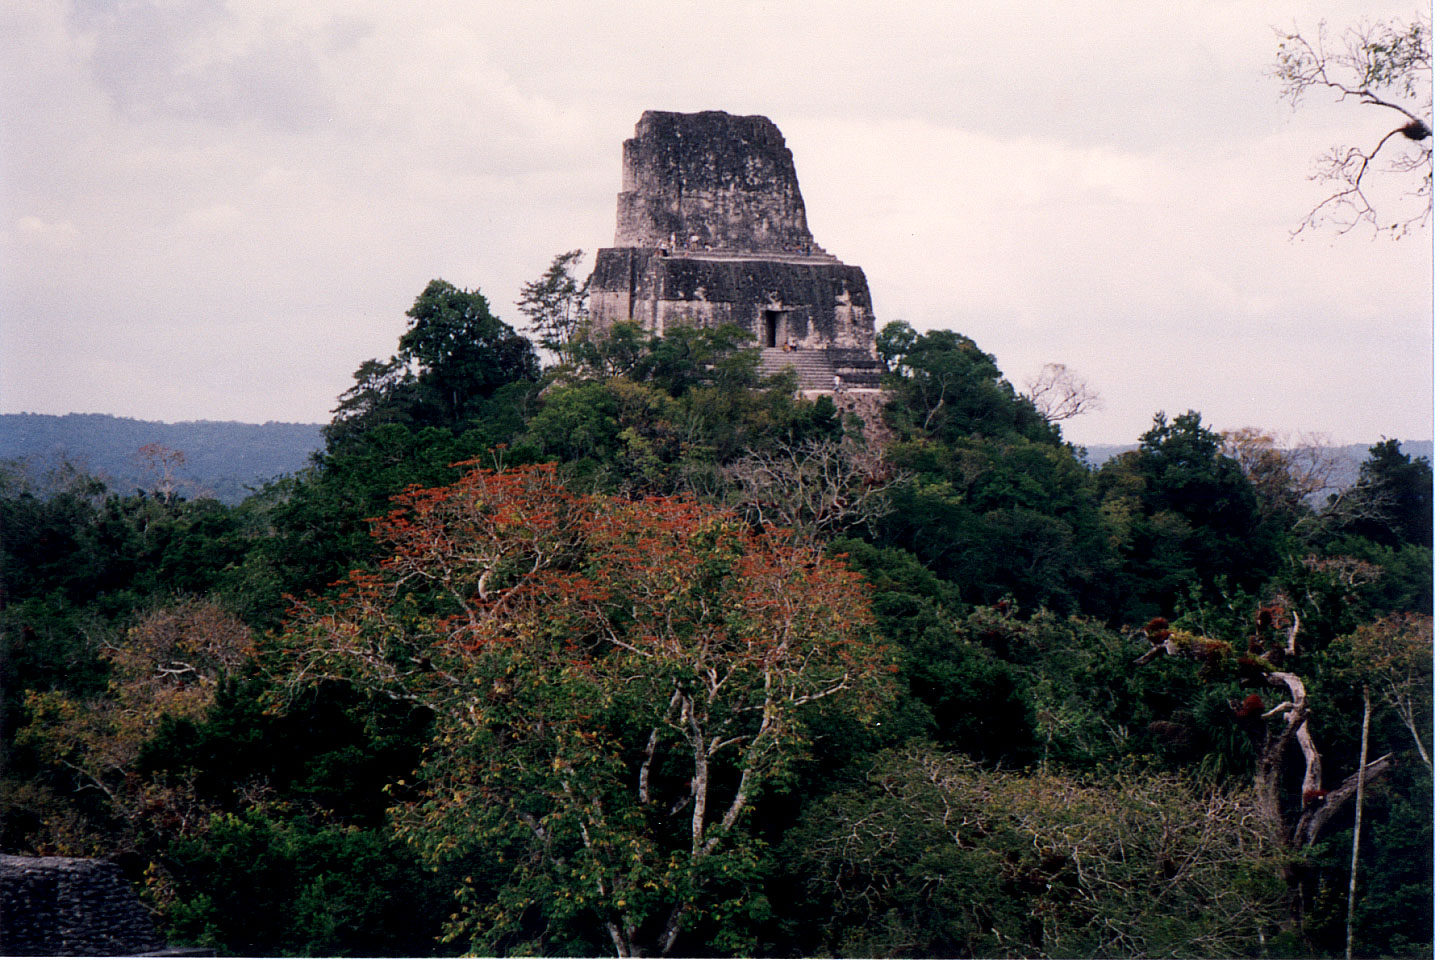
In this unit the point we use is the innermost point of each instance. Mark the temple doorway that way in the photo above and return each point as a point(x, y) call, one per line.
point(773, 319)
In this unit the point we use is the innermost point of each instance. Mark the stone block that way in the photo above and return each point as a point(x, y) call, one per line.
point(711, 229)
point(70, 907)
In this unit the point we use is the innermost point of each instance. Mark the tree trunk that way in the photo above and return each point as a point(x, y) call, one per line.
point(1355, 843)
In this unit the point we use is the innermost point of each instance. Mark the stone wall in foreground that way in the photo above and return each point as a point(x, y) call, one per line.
point(70, 907)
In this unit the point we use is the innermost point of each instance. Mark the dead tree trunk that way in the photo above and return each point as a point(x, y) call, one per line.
point(1317, 805)
point(1355, 840)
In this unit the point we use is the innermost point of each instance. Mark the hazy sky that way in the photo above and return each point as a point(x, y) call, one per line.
point(217, 210)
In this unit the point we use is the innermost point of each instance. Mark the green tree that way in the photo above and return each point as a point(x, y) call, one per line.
point(961, 693)
point(556, 306)
point(668, 414)
point(384, 392)
point(994, 500)
point(260, 884)
point(1184, 517)
point(461, 352)
point(1393, 502)
point(291, 852)
point(614, 683)
point(621, 434)
point(892, 342)
point(452, 359)
point(1002, 517)
point(684, 357)
point(946, 388)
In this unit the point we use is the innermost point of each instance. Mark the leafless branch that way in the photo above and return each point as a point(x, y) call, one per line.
point(1385, 65)
point(1059, 393)
point(1286, 472)
point(818, 489)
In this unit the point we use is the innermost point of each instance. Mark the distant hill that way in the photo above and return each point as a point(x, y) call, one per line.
point(226, 459)
point(223, 459)
point(1350, 456)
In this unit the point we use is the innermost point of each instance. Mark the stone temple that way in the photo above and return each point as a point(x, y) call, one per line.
point(711, 229)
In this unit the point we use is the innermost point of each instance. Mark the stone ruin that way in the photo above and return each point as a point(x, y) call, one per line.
point(711, 229)
point(71, 907)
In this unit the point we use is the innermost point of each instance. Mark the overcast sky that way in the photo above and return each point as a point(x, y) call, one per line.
point(217, 210)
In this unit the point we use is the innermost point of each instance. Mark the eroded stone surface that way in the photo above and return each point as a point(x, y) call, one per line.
point(711, 229)
point(70, 907)
point(710, 182)
point(805, 304)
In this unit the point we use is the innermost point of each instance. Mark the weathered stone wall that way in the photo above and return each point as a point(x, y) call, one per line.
point(710, 181)
point(710, 229)
point(869, 406)
point(68, 907)
point(813, 303)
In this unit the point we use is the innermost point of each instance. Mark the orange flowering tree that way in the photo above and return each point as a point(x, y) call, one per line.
point(614, 684)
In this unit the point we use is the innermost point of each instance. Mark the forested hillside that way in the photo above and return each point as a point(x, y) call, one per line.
point(221, 460)
point(638, 653)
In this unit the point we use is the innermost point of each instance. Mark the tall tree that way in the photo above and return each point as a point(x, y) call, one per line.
point(162, 464)
point(556, 305)
point(384, 392)
point(1059, 393)
point(1395, 656)
point(453, 357)
point(614, 683)
point(1286, 476)
point(462, 353)
point(1393, 501)
point(945, 387)
point(1298, 803)
point(1184, 515)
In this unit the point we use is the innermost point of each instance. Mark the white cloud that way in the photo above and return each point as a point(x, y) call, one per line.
point(60, 234)
point(252, 192)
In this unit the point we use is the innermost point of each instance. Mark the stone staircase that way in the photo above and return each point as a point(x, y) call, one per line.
point(818, 368)
point(815, 370)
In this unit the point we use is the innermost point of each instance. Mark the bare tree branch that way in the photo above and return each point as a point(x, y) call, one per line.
point(1287, 472)
point(817, 489)
point(1384, 65)
point(1059, 393)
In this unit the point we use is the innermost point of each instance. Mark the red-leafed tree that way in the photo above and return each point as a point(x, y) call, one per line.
point(613, 682)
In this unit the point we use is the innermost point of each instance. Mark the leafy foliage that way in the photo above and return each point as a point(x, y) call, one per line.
point(556, 306)
point(571, 703)
point(1183, 514)
point(1393, 504)
point(613, 685)
point(946, 388)
point(934, 856)
point(452, 359)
